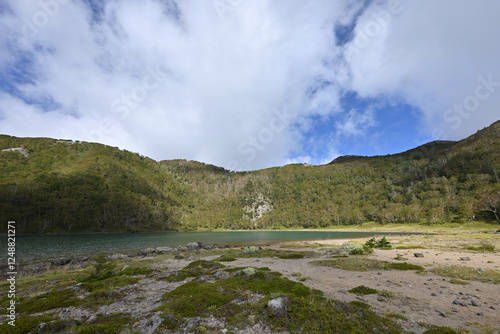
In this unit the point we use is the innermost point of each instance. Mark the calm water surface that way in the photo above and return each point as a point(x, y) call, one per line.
point(36, 247)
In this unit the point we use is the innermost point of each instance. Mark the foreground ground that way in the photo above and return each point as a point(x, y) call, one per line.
point(454, 283)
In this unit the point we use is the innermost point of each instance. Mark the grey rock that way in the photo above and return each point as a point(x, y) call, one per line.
point(418, 254)
point(179, 256)
point(162, 250)
point(249, 271)
point(279, 306)
point(60, 262)
point(52, 282)
point(125, 267)
point(117, 256)
point(441, 313)
point(148, 326)
point(464, 258)
point(474, 303)
point(192, 246)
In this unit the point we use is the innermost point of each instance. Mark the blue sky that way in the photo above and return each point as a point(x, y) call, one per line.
point(249, 84)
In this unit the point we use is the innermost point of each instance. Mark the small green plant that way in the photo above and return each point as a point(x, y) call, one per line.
point(386, 294)
point(363, 290)
point(484, 246)
point(459, 282)
point(383, 244)
point(225, 258)
point(404, 266)
point(400, 257)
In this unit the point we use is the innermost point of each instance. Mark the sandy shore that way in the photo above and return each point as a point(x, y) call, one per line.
point(428, 297)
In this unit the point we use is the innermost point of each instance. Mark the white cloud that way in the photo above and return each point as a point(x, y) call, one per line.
point(244, 85)
point(220, 82)
point(431, 54)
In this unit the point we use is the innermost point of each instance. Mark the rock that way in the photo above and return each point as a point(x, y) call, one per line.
point(162, 250)
point(465, 258)
point(117, 256)
point(349, 248)
point(179, 256)
point(279, 306)
point(52, 282)
point(441, 313)
point(418, 254)
point(148, 326)
point(60, 262)
point(497, 232)
point(249, 271)
point(474, 303)
point(192, 246)
point(480, 314)
point(125, 267)
point(251, 250)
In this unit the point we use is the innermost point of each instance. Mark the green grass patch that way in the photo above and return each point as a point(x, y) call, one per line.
point(136, 271)
point(48, 301)
point(468, 273)
point(403, 266)
point(484, 246)
point(25, 324)
point(363, 264)
point(440, 330)
point(196, 299)
point(196, 269)
point(111, 283)
point(363, 290)
point(225, 258)
point(410, 247)
point(458, 282)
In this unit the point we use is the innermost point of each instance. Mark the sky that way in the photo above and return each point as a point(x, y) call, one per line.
point(250, 84)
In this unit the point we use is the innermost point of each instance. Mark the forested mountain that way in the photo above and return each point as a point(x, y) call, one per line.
point(50, 186)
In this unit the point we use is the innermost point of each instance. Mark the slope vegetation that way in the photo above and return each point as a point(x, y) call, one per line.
point(50, 185)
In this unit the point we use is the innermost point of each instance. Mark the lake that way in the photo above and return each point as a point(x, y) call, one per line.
point(37, 247)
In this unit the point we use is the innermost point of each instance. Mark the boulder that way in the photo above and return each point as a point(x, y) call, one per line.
point(117, 256)
point(60, 262)
point(279, 306)
point(162, 250)
point(249, 271)
point(192, 246)
point(465, 258)
point(418, 254)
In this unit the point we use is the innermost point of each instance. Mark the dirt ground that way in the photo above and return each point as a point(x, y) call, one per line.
point(429, 298)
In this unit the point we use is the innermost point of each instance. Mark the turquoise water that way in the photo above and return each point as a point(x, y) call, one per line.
point(36, 247)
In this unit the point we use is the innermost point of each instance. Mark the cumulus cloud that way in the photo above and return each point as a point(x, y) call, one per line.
point(434, 55)
point(171, 79)
point(242, 84)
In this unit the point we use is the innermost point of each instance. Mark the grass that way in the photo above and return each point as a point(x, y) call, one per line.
point(363, 290)
point(484, 246)
point(363, 264)
point(458, 282)
point(468, 274)
point(308, 312)
point(48, 301)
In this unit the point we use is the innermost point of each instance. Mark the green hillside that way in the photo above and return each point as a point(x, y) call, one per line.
point(50, 185)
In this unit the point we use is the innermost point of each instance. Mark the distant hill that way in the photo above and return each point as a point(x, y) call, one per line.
point(61, 186)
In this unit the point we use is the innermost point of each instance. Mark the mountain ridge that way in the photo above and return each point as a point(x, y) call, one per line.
point(64, 186)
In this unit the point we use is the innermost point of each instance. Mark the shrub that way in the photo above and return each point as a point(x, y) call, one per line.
point(363, 290)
